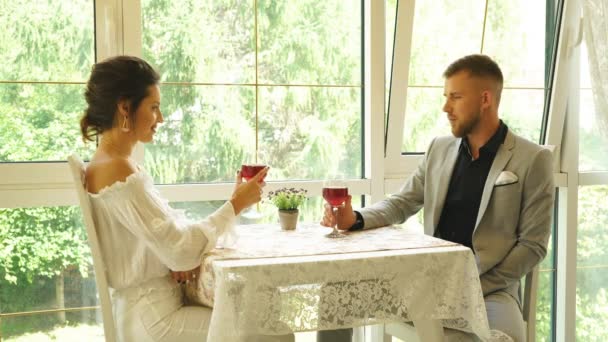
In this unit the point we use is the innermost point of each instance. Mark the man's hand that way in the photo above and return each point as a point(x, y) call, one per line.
point(185, 276)
point(346, 215)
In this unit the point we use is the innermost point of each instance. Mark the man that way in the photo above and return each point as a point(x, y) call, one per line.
point(485, 188)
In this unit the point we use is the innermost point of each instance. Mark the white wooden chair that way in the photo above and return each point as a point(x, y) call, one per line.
point(408, 333)
point(529, 304)
point(77, 167)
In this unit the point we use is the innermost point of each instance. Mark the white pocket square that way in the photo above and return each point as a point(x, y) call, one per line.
point(506, 177)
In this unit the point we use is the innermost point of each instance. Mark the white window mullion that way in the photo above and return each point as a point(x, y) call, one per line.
point(592, 178)
point(393, 185)
point(567, 224)
point(374, 49)
point(56, 195)
point(132, 34)
point(567, 218)
point(132, 27)
point(50, 183)
point(569, 37)
point(118, 31)
point(404, 26)
point(62, 193)
point(222, 191)
point(108, 28)
point(35, 184)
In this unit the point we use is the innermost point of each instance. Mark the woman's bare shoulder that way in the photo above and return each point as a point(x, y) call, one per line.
point(103, 172)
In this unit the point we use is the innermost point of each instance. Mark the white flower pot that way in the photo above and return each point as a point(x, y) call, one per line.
point(288, 219)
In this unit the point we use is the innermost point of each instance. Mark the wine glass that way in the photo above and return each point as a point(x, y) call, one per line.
point(335, 193)
point(248, 171)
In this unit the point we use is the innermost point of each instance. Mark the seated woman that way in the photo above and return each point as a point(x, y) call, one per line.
point(141, 237)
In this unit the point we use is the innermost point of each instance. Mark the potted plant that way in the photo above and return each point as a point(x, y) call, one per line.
point(287, 200)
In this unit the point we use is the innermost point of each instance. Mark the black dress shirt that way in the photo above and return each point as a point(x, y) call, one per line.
point(461, 206)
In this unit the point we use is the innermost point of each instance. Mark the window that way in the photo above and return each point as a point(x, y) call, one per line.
point(45, 268)
point(518, 35)
point(277, 82)
point(592, 264)
point(591, 244)
point(47, 51)
point(311, 210)
point(545, 295)
point(390, 9)
point(508, 31)
point(593, 150)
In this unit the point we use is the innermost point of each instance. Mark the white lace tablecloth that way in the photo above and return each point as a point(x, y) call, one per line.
point(276, 282)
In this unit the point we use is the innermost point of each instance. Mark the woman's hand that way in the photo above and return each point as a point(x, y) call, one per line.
point(185, 276)
point(247, 193)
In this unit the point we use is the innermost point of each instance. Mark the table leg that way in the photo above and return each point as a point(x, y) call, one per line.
point(359, 334)
point(378, 333)
point(429, 330)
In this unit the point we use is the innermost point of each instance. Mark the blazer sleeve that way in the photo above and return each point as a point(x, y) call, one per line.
point(399, 207)
point(533, 230)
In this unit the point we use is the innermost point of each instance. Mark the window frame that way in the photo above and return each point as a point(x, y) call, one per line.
point(562, 112)
point(32, 184)
point(44, 183)
point(399, 165)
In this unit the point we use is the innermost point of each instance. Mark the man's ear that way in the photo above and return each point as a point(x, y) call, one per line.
point(486, 99)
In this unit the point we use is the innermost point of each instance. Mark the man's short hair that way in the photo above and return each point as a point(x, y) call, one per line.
point(477, 65)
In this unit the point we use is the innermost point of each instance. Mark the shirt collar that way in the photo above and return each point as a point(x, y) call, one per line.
point(492, 145)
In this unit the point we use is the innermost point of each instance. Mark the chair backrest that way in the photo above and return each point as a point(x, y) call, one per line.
point(529, 303)
point(531, 289)
point(78, 172)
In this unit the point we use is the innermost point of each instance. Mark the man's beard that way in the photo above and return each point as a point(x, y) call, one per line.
point(467, 126)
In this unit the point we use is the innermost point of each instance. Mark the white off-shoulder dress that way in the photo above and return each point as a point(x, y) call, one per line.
point(142, 238)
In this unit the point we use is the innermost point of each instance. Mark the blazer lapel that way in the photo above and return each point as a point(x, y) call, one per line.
point(500, 161)
point(444, 181)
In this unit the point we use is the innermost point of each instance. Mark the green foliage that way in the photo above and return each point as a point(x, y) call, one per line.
point(521, 109)
point(322, 44)
point(592, 257)
point(302, 132)
point(287, 198)
point(593, 149)
point(544, 306)
point(593, 221)
point(591, 315)
point(41, 41)
point(39, 121)
point(73, 332)
point(41, 242)
point(39, 45)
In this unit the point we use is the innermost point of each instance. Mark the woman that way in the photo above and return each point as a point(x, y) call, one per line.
point(141, 237)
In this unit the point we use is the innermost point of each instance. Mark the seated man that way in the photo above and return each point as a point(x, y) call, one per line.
point(485, 188)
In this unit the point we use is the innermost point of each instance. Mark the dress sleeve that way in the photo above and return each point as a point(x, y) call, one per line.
point(177, 241)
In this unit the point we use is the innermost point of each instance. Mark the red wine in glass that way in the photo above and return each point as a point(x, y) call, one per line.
point(335, 196)
point(335, 192)
point(249, 171)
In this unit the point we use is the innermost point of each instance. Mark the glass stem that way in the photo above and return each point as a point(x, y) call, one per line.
point(335, 212)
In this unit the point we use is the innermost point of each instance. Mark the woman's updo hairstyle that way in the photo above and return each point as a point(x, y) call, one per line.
point(112, 80)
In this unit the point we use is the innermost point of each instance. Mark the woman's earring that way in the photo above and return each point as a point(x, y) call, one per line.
point(125, 126)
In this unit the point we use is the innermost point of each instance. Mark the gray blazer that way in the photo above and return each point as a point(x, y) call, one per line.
point(514, 220)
